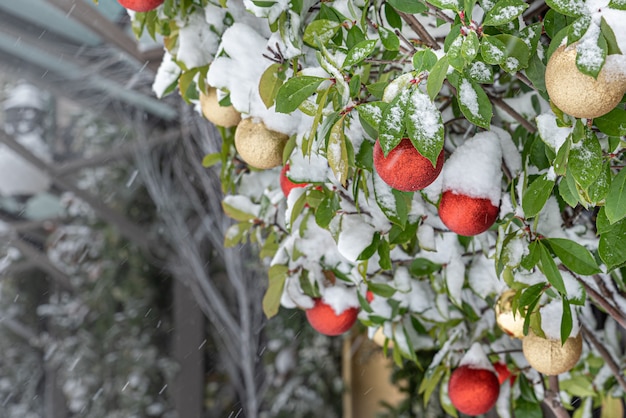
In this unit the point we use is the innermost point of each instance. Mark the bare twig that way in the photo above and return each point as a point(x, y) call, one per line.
point(419, 29)
point(513, 113)
point(619, 375)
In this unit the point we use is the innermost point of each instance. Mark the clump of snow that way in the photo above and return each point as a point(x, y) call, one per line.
point(476, 358)
point(355, 236)
point(340, 298)
point(550, 320)
point(474, 170)
point(166, 75)
point(510, 154)
point(482, 277)
point(238, 69)
point(469, 98)
point(197, 44)
point(553, 135)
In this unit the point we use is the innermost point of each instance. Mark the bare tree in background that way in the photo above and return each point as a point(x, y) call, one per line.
point(227, 283)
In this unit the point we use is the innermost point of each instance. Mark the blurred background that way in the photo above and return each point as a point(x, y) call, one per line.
point(117, 298)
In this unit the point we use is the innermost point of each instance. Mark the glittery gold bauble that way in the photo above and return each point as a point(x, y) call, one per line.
point(225, 116)
point(513, 325)
point(548, 356)
point(578, 94)
point(380, 338)
point(258, 146)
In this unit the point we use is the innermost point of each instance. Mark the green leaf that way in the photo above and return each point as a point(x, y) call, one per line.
point(391, 126)
point(326, 210)
point(531, 294)
point(337, 152)
point(591, 60)
point(474, 102)
point(574, 8)
point(532, 258)
point(573, 255)
point(436, 77)
point(235, 234)
point(424, 126)
point(271, 299)
point(381, 289)
point(408, 6)
point(210, 160)
point(599, 189)
point(391, 201)
point(372, 112)
point(504, 11)
point(567, 194)
point(585, 160)
point(384, 257)
point(390, 40)
point(616, 198)
point(446, 4)
point(612, 47)
point(613, 123)
point(480, 72)
point(271, 81)
point(493, 50)
point(536, 196)
point(424, 60)
point(517, 53)
point(612, 245)
point(549, 268)
point(237, 214)
point(295, 91)
point(423, 267)
point(322, 30)
point(359, 52)
point(470, 46)
point(617, 4)
point(578, 28)
point(566, 321)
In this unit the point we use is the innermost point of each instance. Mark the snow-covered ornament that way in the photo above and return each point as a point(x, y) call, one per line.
point(471, 185)
point(474, 386)
point(581, 95)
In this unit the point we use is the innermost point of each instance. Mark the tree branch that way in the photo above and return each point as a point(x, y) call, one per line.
point(419, 29)
point(602, 302)
point(552, 399)
point(512, 112)
point(619, 375)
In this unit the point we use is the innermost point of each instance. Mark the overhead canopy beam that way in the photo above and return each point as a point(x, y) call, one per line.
point(107, 30)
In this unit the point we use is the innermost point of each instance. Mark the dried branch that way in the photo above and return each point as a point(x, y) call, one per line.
point(613, 365)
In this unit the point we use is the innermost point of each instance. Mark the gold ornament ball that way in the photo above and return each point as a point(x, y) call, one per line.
point(548, 356)
point(259, 146)
point(578, 94)
point(511, 324)
point(226, 116)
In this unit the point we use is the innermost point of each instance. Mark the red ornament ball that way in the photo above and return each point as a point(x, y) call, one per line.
point(324, 320)
point(369, 296)
point(287, 185)
point(140, 5)
point(466, 215)
point(473, 391)
point(404, 168)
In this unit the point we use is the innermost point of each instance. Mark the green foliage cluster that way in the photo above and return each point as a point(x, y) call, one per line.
point(436, 72)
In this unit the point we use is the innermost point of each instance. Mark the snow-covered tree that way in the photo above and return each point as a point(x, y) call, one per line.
point(440, 159)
